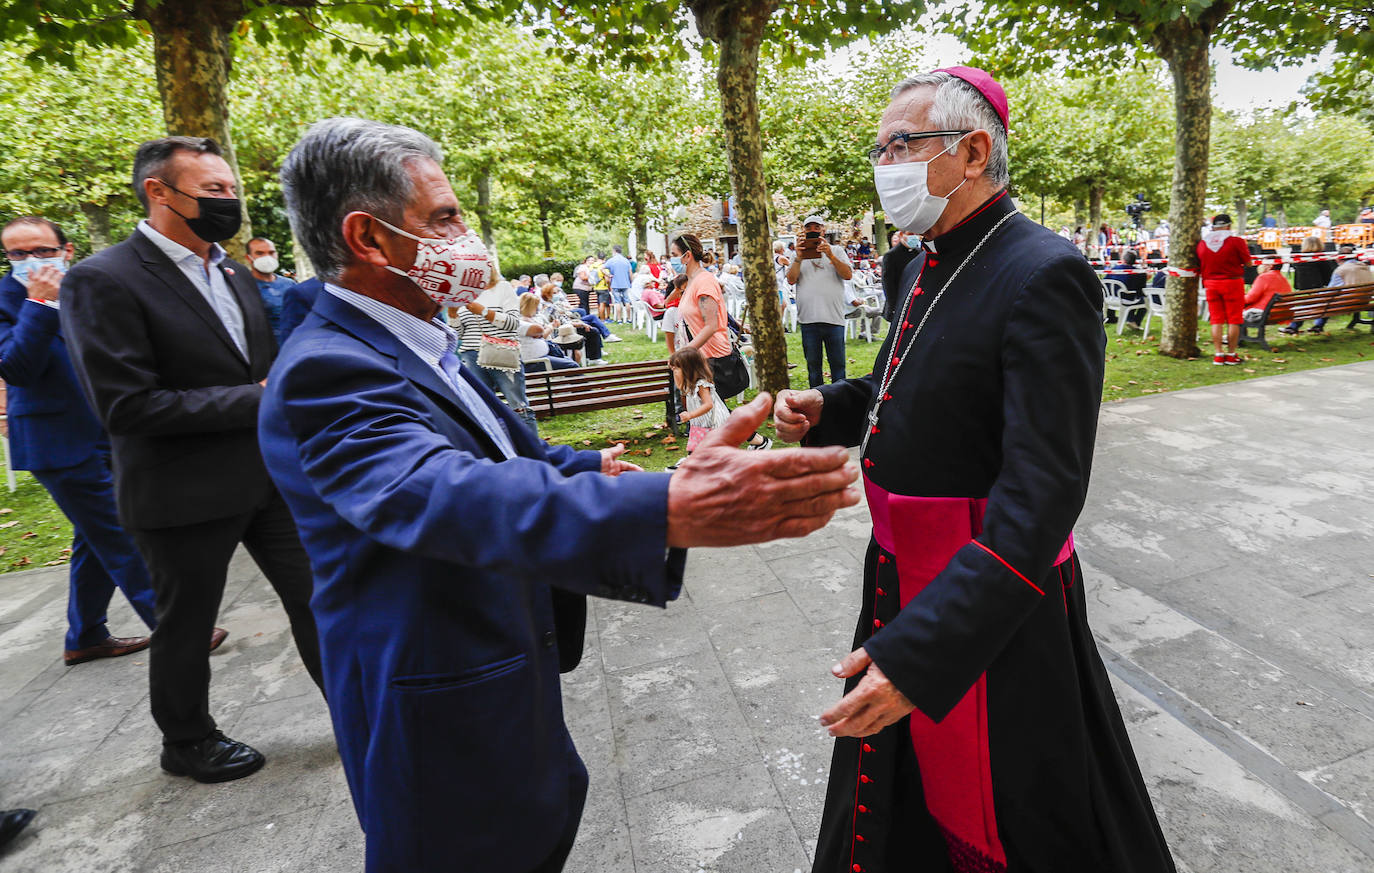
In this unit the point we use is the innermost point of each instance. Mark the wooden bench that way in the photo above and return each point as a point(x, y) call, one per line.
point(587, 389)
point(1356, 301)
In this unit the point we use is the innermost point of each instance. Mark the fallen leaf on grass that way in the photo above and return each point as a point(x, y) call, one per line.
point(1280, 360)
point(647, 453)
point(1328, 360)
point(53, 563)
point(9, 524)
point(22, 562)
point(5, 511)
point(28, 536)
point(1131, 382)
point(1249, 369)
point(669, 441)
point(637, 416)
point(586, 442)
point(1115, 387)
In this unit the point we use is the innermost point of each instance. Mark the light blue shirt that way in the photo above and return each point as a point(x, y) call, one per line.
point(619, 268)
point(209, 281)
point(432, 342)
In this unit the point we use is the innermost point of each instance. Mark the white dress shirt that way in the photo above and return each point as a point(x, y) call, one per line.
point(209, 281)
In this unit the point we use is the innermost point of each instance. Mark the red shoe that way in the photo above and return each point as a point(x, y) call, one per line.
point(1232, 360)
point(1218, 360)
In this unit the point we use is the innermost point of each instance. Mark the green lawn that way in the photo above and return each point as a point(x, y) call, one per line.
point(34, 533)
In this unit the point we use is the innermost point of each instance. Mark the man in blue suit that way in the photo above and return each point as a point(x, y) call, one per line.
point(438, 525)
point(54, 434)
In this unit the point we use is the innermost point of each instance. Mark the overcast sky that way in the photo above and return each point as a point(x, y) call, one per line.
point(1237, 89)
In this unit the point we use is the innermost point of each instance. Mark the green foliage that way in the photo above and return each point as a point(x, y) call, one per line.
point(1109, 132)
point(67, 141)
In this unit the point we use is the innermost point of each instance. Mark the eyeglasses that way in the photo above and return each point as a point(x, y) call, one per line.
point(25, 254)
point(896, 148)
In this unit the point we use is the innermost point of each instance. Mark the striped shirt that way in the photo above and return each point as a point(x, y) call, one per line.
point(471, 326)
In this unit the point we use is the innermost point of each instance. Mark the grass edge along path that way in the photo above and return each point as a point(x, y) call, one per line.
point(34, 533)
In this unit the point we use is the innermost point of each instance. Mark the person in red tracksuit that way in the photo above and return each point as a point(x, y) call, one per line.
point(1223, 259)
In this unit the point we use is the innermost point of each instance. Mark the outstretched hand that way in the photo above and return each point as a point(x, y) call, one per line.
point(724, 496)
point(611, 464)
point(874, 703)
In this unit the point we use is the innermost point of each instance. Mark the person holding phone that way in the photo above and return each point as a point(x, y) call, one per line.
point(819, 272)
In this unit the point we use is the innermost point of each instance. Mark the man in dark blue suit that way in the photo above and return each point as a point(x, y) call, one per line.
point(452, 550)
point(54, 434)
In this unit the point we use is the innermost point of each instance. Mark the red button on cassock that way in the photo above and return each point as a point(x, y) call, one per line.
point(858, 838)
point(868, 462)
point(865, 780)
point(887, 396)
point(867, 747)
point(882, 593)
point(858, 869)
point(932, 262)
point(875, 429)
point(882, 559)
point(863, 808)
point(877, 623)
point(895, 359)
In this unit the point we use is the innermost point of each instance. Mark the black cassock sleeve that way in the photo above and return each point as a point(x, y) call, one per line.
point(1052, 363)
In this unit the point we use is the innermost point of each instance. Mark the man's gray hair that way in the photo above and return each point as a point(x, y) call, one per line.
point(344, 165)
point(960, 106)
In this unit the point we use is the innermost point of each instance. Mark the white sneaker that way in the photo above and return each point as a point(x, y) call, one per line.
point(613, 339)
point(597, 362)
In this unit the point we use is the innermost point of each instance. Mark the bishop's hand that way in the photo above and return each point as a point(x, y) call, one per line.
point(796, 412)
point(874, 703)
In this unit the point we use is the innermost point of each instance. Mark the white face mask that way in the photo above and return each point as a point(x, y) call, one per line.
point(451, 271)
point(24, 270)
point(905, 196)
point(266, 264)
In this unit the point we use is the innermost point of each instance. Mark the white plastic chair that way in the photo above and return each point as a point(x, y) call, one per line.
point(1112, 289)
point(1155, 298)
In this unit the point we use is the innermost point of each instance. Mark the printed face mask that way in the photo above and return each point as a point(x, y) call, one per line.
point(24, 269)
point(451, 271)
point(266, 264)
point(905, 196)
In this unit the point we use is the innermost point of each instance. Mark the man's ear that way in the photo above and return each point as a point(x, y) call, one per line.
point(69, 250)
point(361, 235)
point(979, 151)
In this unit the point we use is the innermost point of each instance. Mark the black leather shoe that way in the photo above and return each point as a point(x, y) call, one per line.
point(213, 759)
point(12, 821)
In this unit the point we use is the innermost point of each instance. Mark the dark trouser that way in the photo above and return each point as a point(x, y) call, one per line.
point(555, 362)
point(189, 565)
point(592, 348)
point(830, 338)
point(594, 321)
point(103, 555)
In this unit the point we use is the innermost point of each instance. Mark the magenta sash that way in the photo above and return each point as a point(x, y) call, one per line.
point(924, 533)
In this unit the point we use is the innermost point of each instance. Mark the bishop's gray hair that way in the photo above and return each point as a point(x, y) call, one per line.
point(344, 165)
point(960, 106)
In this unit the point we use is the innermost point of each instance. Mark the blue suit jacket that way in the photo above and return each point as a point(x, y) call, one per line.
point(295, 306)
point(433, 563)
point(51, 424)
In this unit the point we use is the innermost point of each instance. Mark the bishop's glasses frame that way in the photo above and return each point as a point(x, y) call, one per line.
point(896, 145)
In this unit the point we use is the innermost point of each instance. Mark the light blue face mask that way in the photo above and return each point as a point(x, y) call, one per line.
point(27, 267)
point(676, 264)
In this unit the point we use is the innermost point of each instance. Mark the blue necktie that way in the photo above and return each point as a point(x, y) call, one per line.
point(475, 405)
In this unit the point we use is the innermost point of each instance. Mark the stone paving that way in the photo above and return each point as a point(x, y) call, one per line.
point(1226, 550)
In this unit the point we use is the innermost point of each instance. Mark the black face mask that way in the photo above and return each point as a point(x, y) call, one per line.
point(219, 219)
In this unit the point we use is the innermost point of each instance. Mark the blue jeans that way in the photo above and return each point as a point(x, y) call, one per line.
point(823, 337)
point(557, 362)
point(512, 385)
point(104, 557)
point(593, 321)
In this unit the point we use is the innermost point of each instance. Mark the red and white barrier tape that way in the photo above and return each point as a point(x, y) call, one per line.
point(1366, 255)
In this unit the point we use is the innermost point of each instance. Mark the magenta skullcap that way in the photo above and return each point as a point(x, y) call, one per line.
point(986, 85)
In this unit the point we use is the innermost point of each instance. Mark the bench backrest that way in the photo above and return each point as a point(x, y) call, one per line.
point(1319, 302)
point(637, 382)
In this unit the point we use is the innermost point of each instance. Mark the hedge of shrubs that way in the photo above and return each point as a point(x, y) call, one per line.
point(514, 271)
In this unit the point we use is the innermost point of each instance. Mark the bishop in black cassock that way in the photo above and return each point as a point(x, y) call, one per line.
point(979, 731)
